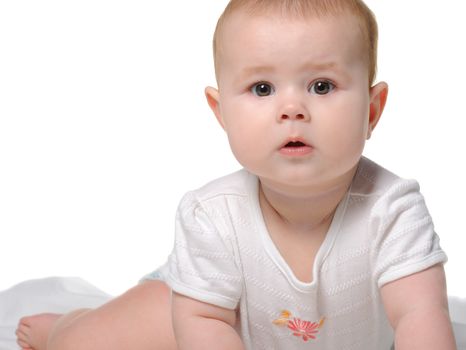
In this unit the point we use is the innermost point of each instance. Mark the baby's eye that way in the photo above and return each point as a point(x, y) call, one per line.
point(321, 87)
point(262, 89)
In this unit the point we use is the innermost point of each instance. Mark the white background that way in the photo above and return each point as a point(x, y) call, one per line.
point(103, 127)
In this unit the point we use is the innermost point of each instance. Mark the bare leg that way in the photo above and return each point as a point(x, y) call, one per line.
point(140, 319)
point(33, 331)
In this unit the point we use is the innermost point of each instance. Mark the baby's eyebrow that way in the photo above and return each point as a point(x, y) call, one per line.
point(306, 67)
point(313, 66)
point(246, 72)
point(252, 70)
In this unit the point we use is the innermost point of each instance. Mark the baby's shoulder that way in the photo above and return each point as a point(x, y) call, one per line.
point(373, 180)
point(237, 185)
point(382, 192)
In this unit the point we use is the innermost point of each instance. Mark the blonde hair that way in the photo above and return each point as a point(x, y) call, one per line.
point(304, 9)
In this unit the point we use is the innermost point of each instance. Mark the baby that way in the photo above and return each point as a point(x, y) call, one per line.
point(311, 245)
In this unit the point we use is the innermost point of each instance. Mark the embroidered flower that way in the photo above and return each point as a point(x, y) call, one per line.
point(305, 329)
point(300, 328)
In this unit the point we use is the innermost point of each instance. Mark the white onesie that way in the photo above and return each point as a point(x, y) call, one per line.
point(223, 255)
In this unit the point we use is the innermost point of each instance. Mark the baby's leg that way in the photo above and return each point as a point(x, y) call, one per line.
point(139, 319)
point(33, 331)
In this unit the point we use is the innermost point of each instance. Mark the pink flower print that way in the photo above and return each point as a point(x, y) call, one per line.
point(305, 329)
point(300, 328)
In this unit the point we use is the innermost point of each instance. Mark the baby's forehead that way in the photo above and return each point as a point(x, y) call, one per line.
point(283, 25)
point(227, 31)
point(346, 18)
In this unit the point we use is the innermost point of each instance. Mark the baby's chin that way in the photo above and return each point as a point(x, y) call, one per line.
point(306, 181)
point(295, 184)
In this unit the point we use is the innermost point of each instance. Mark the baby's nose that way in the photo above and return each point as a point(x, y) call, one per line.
point(293, 112)
point(299, 116)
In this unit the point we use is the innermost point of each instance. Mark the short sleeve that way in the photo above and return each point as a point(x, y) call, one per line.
point(202, 264)
point(405, 241)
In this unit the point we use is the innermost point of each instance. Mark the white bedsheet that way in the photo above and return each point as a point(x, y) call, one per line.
point(54, 294)
point(63, 294)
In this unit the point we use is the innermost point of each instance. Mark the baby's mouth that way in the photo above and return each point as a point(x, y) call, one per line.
point(295, 144)
point(295, 147)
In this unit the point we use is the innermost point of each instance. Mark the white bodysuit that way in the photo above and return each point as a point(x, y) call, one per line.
point(223, 255)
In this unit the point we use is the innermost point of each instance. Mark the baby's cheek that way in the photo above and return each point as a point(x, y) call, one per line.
point(241, 146)
point(348, 139)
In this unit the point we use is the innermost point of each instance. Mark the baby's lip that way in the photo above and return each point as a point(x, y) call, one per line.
point(295, 142)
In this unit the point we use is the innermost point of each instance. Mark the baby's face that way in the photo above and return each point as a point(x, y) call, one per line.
point(294, 97)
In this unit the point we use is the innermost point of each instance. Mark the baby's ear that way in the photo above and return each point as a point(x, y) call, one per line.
point(378, 97)
point(213, 99)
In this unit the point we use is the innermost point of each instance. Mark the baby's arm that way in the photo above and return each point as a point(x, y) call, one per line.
point(417, 309)
point(201, 326)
